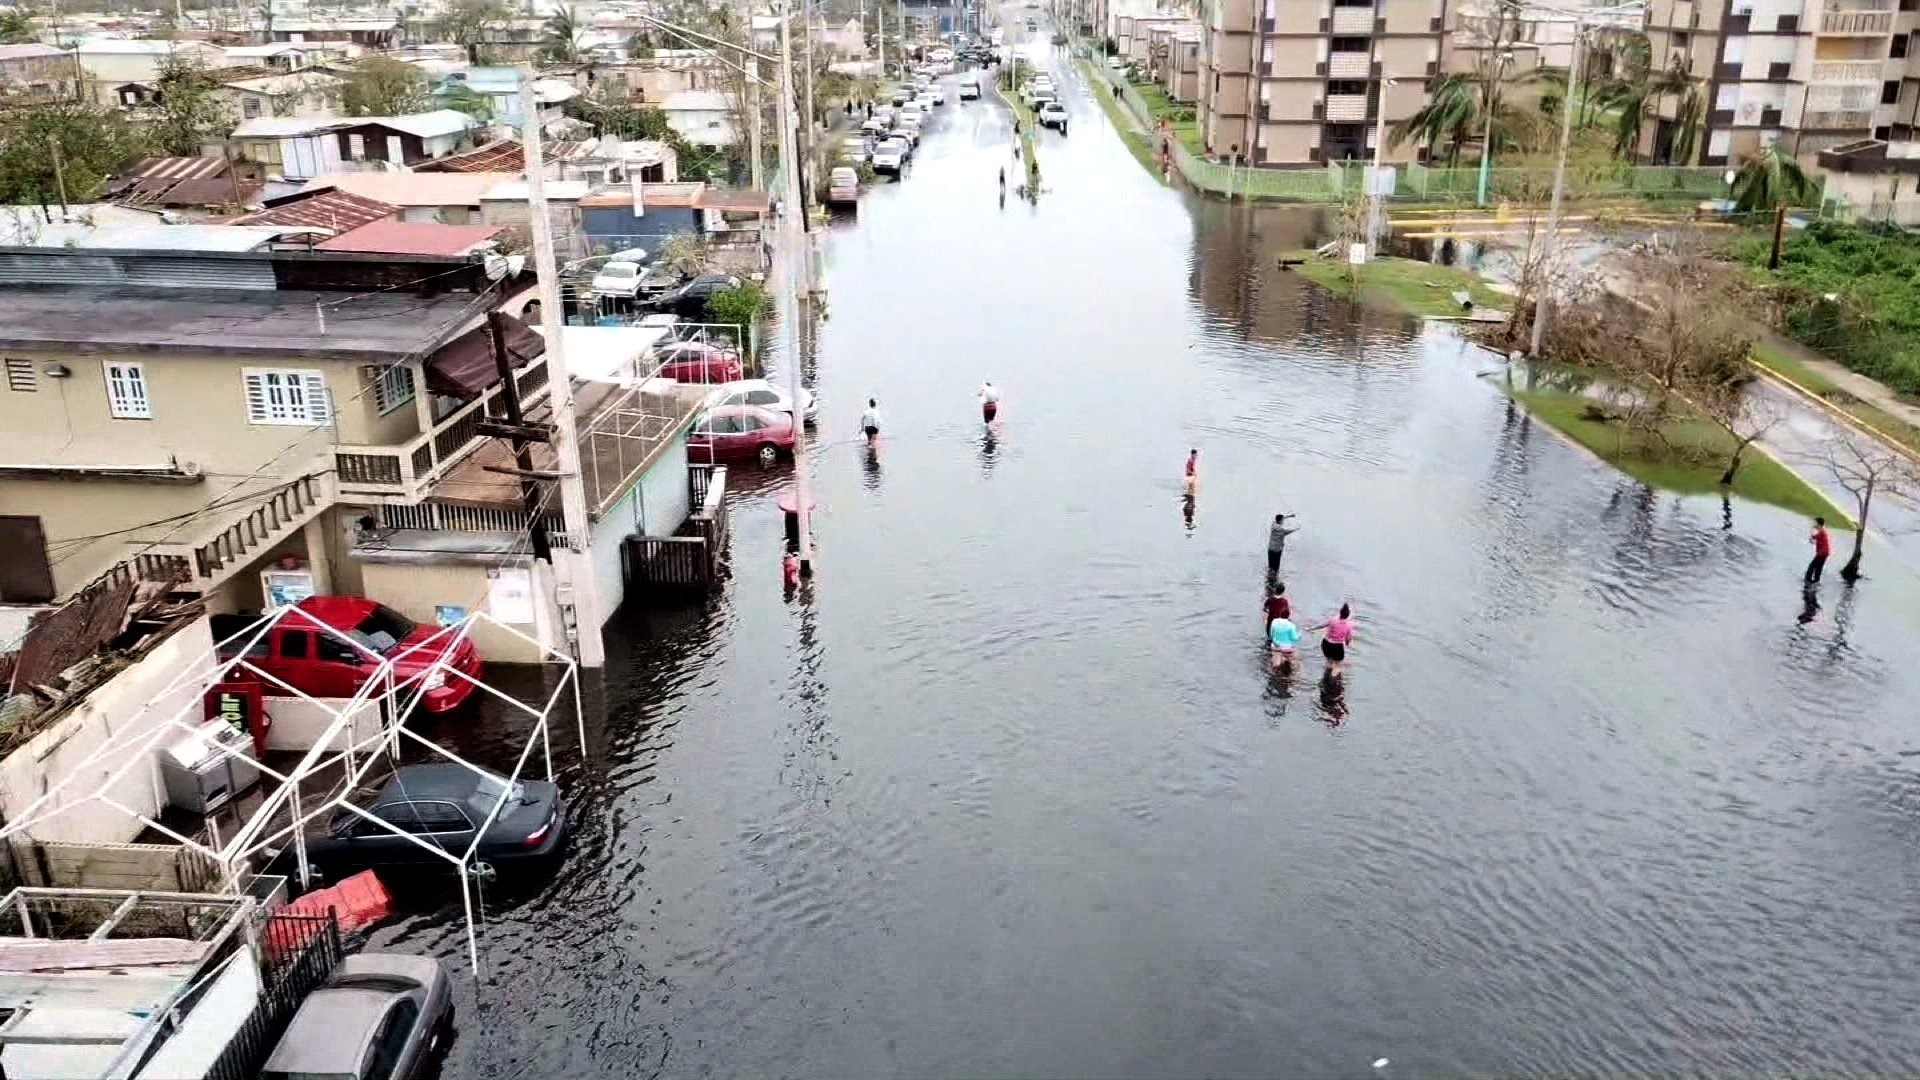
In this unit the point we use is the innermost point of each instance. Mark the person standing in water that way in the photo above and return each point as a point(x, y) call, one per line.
point(870, 422)
point(1277, 606)
point(1193, 472)
point(1277, 542)
point(1339, 634)
point(1283, 641)
point(1822, 547)
point(989, 401)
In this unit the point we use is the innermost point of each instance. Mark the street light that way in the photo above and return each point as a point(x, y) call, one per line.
point(1486, 140)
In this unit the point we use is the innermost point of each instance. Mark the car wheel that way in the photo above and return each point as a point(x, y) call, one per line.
point(482, 870)
point(769, 454)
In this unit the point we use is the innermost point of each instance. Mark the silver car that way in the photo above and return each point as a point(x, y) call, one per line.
point(379, 1016)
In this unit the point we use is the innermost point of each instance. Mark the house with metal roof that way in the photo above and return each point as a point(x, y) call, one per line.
point(300, 148)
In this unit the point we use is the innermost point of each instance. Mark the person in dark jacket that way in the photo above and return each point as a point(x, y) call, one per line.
point(1277, 541)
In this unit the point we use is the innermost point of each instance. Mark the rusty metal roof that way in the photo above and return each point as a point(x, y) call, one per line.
point(504, 156)
point(333, 209)
point(174, 168)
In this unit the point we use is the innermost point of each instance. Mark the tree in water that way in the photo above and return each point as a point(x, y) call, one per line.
point(383, 86)
point(1867, 469)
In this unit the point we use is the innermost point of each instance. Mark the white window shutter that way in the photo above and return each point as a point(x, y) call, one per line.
point(319, 409)
point(256, 397)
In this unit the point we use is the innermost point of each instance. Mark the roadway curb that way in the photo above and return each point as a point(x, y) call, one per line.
point(1846, 418)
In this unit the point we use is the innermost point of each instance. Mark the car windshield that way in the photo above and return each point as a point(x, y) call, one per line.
point(384, 629)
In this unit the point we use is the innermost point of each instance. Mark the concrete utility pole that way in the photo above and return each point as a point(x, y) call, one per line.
point(758, 168)
point(1376, 186)
point(787, 252)
point(1542, 287)
point(575, 591)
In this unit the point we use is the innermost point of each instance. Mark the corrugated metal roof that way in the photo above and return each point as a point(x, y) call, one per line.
point(341, 211)
point(505, 156)
point(175, 168)
point(413, 238)
point(413, 189)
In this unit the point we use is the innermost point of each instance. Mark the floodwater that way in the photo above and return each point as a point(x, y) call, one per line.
point(1009, 791)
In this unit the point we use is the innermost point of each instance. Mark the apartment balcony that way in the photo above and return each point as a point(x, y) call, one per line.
point(409, 470)
point(1346, 108)
point(1352, 20)
point(1830, 72)
point(1349, 65)
point(1836, 120)
point(1857, 23)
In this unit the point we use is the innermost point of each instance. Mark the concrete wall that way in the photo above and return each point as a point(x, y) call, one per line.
point(298, 724)
point(657, 506)
point(131, 704)
point(414, 589)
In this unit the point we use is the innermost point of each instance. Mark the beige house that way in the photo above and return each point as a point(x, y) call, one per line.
point(295, 94)
point(212, 428)
point(123, 71)
point(35, 70)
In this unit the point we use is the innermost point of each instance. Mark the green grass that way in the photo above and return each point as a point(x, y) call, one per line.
point(1024, 123)
point(1123, 122)
point(1777, 360)
point(1407, 285)
point(1694, 466)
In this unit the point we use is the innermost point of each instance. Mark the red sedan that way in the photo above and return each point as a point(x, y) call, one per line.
point(699, 362)
point(740, 433)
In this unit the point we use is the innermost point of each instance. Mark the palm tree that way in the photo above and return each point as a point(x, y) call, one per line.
point(1457, 110)
point(564, 35)
point(1770, 180)
point(1449, 116)
point(1638, 98)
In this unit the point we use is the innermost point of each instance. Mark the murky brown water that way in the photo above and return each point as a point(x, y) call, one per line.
point(1012, 794)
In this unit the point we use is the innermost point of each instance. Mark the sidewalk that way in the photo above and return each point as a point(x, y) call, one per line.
point(1864, 402)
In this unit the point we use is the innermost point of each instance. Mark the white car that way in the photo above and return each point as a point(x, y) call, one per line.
point(761, 393)
point(618, 279)
point(1054, 115)
point(913, 111)
point(874, 125)
point(969, 91)
point(890, 156)
point(854, 150)
point(939, 95)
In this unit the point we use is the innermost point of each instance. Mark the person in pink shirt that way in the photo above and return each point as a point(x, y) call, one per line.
point(1339, 634)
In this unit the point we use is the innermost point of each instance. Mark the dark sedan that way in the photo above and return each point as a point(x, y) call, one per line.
point(689, 301)
point(441, 807)
point(379, 1016)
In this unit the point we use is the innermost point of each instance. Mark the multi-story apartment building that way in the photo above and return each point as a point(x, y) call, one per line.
point(1815, 73)
point(1303, 82)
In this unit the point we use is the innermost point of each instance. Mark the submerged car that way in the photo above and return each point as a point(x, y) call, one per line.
point(442, 805)
point(740, 433)
point(762, 394)
point(379, 1016)
point(689, 301)
point(699, 362)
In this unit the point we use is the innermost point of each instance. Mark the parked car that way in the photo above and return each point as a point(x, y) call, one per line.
point(969, 91)
point(890, 157)
point(699, 362)
point(379, 1016)
point(318, 663)
point(908, 132)
point(762, 394)
point(740, 433)
point(618, 279)
point(900, 96)
point(689, 301)
point(874, 125)
point(854, 150)
point(843, 186)
point(1054, 115)
point(443, 804)
point(938, 93)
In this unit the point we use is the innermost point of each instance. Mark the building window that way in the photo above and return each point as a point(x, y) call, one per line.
point(1899, 48)
point(249, 107)
point(20, 377)
point(1682, 41)
point(356, 148)
point(1890, 92)
point(393, 388)
point(127, 391)
point(286, 397)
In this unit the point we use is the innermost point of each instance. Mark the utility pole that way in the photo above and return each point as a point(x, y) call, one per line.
point(788, 301)
point(880, 23)
point(60, 177)
point(1376, 186)
point(1542, 287)
point(754, 121)
point(575, 590)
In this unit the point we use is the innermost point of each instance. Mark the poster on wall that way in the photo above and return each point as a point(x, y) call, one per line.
point(449, 614)
point(285, 588)
point(510, 595)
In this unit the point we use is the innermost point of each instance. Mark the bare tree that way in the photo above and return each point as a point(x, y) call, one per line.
point(1866, 469)
point(1743, 416)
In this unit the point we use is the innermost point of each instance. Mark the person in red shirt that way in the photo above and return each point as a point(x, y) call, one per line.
point(1193, 472)
point(1822, 547)
point(1278, 606)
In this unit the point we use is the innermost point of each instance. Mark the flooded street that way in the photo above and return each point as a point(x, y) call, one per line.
point(1010, 792)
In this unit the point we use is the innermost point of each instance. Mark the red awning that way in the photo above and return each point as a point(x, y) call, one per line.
point(465, 368)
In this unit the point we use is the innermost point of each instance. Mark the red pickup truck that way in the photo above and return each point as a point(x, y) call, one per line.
point(319, 663)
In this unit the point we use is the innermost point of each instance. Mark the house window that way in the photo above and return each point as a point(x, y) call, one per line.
point(127, 391)
point(21, 378)
point(277, 396)
point(356, 148)
point(393, 388)
point(1899, 49)
point(249, 107)
point(1890, 92)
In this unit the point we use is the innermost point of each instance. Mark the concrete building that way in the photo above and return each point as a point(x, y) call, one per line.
point(1874, 180)
point(1816, 73)
point(123, 71)
point(302, 93)
point(702, 117)
point(1304, 82)
point(35, 71)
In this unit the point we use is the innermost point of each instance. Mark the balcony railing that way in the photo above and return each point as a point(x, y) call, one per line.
point(1352, 20)
point(1348, 65)
point(1847, 71)
point(410, 469)
point(1856, 22)
point(1346, 108)
point(1837, 120)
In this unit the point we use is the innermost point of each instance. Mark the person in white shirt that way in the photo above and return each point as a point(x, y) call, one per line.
point(989, 402)
point(870, 421)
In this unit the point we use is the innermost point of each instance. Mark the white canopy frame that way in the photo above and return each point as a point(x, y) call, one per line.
point(396, 698)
